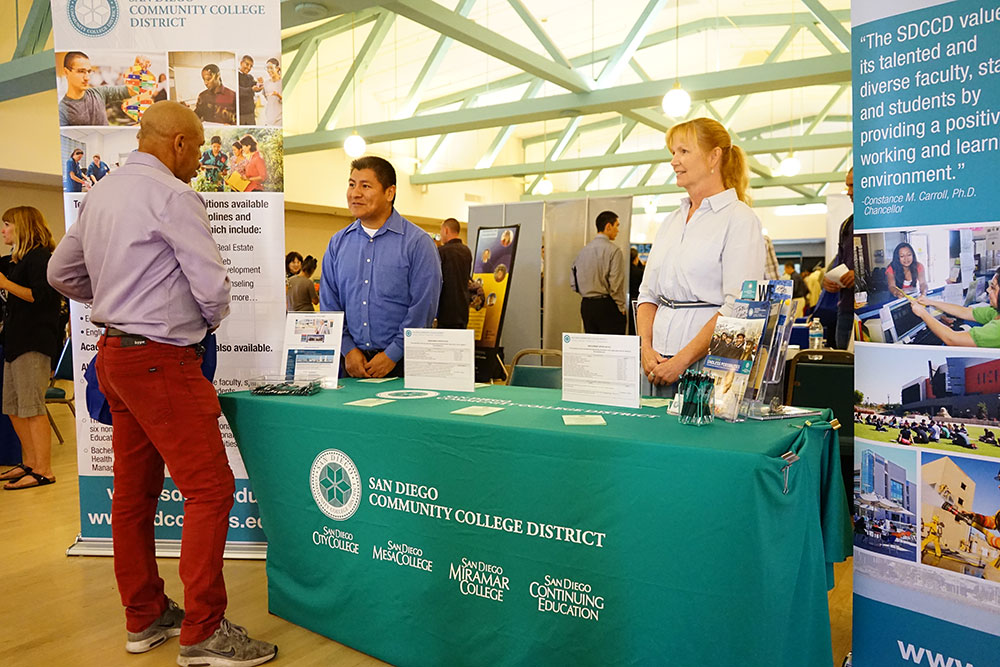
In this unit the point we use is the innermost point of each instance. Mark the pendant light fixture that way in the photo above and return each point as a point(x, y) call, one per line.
point(677, 103)
point(355, 145)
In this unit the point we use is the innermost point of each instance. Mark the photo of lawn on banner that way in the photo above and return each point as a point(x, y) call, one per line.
point(928, 397)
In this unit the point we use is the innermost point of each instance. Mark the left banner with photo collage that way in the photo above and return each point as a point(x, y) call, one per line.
point(223, 60)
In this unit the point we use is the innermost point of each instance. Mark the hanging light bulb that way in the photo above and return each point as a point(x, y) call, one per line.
point(651, 207)
point(790, 166)
point(677, 102)
point(544, 187)
point(355, 145)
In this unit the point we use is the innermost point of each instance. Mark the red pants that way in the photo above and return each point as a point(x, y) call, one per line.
point(165, 411)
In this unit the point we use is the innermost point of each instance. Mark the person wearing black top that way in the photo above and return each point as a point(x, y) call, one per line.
point(32, 338)
point(456, 267)
point(246, 90)
point(635, 271)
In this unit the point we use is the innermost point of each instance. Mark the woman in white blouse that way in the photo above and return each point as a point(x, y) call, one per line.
point(701, 255)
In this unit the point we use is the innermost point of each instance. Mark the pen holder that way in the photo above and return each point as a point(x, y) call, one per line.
point(695, 391)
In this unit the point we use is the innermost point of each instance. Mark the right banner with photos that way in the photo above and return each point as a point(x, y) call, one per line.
point(926, 77)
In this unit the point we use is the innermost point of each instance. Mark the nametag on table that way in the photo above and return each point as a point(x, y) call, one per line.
point(377, 380)
point(584, 420)
point(600, 369)
point(655, 402)
point(439, 359)
point(370, 402)
point(476, 410)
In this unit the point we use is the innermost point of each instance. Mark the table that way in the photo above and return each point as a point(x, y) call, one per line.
point(512, 539)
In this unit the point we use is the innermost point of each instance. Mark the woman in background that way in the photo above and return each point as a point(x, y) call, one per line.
point(255, 169)
point(302, 294)
point(32, 338)
point(272, 93)
point(701, 255)
point(905, 274)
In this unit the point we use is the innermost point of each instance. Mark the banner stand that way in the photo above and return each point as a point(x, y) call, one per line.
point(101, 546)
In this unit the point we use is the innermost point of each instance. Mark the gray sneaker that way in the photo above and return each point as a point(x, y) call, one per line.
point(167, 625)
point(229, 646)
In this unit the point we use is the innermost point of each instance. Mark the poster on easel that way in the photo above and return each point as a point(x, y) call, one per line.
point(112, 61)
point(492, 268)
point(927, 388)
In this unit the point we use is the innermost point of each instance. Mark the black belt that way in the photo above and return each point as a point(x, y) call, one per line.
point(598, 298)
point(128, 340)
point(673, 303)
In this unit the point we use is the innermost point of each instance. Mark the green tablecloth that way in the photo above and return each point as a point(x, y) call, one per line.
point(642, 542)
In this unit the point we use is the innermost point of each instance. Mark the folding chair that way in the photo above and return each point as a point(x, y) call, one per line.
point(54, 394)
point(545, 377)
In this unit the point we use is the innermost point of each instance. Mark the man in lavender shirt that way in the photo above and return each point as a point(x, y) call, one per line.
point(143, 255)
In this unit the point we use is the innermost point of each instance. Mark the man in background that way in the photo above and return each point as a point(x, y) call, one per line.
point(599, 277)
point(216, 104)
point(845, 255)
point(456, 267)
point(246, 85)
point(381, 271)
point(97, 170)
point(143, 255)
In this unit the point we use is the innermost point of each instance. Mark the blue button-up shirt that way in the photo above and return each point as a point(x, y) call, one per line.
point(383, 284)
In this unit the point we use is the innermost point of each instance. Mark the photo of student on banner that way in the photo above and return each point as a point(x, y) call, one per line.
point(100, 88)
point(960, 516)
point(241, 159)
point(204, 82)
point(260, 95)
point(80, 146)
point(928, 286)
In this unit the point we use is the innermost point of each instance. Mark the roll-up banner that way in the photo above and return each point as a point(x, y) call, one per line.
point(492, 267)
point(926, 79)
point(223, 60)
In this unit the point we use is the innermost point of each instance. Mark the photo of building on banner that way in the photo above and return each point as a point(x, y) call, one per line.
point(492, 266)
point(109, 71)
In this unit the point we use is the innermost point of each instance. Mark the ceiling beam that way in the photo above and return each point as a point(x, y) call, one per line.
point(461, 29)
point(37, 27)
point(620, 138)
point(503, 135)
point(826, 17)
point(779, 181)
point(333, 27)
point(293, 73)
point(357, 69)
point(620, 59)
point(27, 76)
point(655, 39)
point(431, 66)
point(539, 32)
point(657, 156)
point(824, 70)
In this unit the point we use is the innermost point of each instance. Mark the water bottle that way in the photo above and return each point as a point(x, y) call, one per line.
point(815, 334)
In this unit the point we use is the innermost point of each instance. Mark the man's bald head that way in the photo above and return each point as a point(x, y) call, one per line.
point(174, 135)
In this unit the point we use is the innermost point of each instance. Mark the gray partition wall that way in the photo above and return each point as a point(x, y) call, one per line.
point(569, 225)
point(522, 326)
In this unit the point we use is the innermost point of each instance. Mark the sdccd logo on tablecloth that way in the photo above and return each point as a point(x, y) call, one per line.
point(335, 484)
point(567, 597)
point(92, 18)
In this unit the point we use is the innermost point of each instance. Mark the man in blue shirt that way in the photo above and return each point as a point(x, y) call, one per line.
point(73, 173)
point(97, 169)
point(382, 271)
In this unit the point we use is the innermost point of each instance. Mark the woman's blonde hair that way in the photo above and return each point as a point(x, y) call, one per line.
point(709, 134)
point(30, 230)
